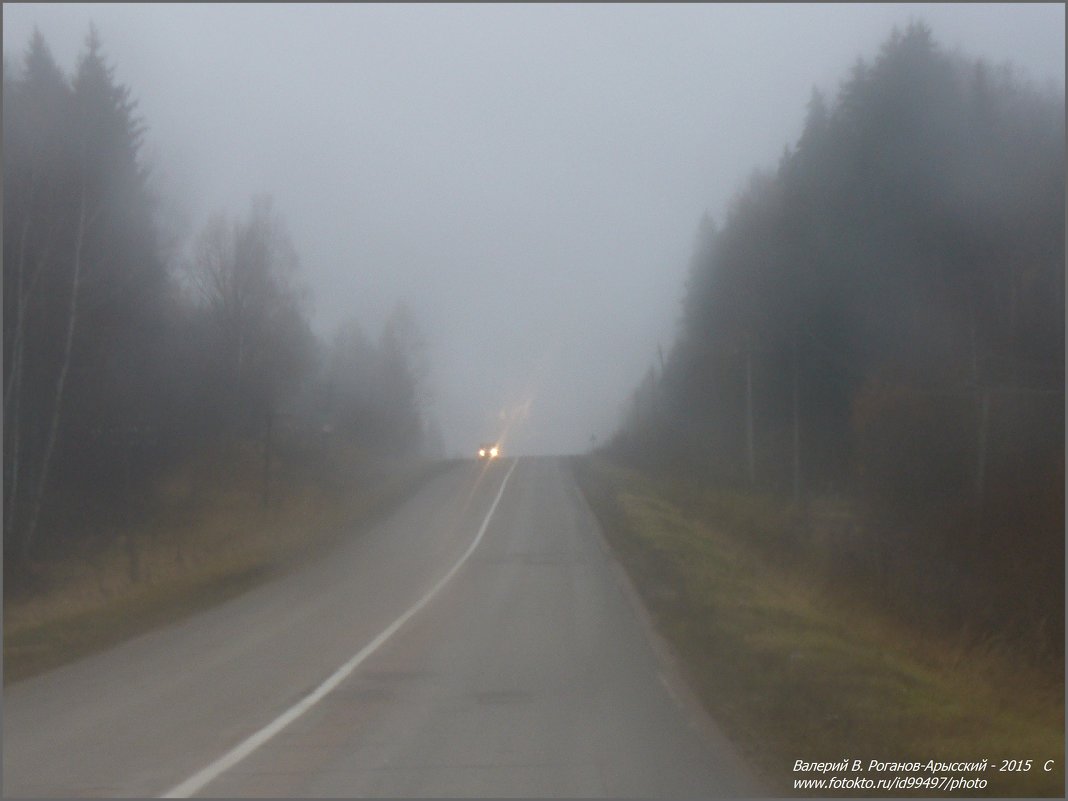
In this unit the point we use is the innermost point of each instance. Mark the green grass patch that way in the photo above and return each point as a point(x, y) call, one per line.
point(188, 557)
point(793, 671)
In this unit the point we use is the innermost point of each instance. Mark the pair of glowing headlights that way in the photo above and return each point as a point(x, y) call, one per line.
point(493, 452)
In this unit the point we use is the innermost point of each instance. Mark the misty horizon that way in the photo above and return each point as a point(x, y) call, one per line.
point(529, 181)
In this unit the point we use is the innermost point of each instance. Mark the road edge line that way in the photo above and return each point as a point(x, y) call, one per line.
point(671, 668)
point(205, 775)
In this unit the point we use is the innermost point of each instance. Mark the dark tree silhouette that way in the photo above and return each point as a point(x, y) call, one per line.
point(117, 367)
point(86, 288)
point(885, 315)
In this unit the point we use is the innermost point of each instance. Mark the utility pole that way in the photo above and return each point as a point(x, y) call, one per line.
point(268, 447)
point(982, 396)
point(751, 457)
point(980, 458)
point(797, 426)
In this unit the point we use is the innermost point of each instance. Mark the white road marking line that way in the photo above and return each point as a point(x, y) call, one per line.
point(671, 691)
point(197, 781)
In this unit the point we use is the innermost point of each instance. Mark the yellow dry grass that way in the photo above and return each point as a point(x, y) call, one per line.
point(209, 538)
point(794, 672)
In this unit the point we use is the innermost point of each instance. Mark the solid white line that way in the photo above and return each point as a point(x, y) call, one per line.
point(198, 780)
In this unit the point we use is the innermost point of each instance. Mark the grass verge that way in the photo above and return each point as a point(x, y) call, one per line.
point(794, 672)
point(185, 563)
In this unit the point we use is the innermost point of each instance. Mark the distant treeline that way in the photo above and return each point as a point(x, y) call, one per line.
point(121, 359)
point(882, 318)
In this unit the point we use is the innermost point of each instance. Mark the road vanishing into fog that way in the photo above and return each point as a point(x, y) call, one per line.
point(481, 641)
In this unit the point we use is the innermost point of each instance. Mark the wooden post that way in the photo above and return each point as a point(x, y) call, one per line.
point(797, 424)
point(980, 457)
point(268, 442)
point(751, 457)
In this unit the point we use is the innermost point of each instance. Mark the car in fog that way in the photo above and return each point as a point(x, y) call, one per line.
point(488, 450)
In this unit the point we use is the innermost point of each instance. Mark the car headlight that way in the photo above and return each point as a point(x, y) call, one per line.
point(493, 452)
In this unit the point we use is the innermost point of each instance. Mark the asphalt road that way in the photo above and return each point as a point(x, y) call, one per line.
point(487, 643)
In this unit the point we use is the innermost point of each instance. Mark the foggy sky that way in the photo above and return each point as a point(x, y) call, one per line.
point(528, 178)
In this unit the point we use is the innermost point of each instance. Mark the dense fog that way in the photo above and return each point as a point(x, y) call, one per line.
point(810, 235)
point(527, 180)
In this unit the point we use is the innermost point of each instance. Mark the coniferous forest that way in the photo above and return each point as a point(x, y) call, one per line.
point(879, 322)
point(767, 500)
point(124, 357)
